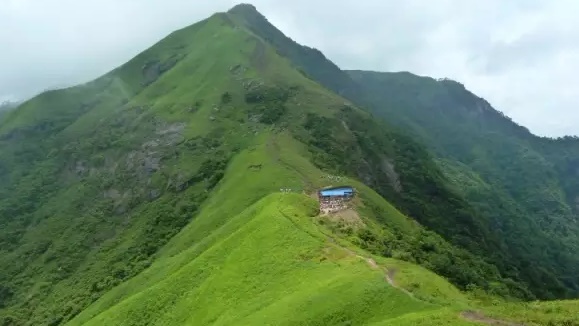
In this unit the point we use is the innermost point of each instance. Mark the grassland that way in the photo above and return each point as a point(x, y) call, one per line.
point(254, 256)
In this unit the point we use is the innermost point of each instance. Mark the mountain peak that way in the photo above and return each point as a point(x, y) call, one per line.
point(244, 8)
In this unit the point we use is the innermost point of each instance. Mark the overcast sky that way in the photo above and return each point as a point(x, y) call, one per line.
point(521, 55)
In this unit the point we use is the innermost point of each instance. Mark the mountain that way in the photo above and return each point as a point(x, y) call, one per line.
point(180, 188)
point(525, 184)
point(522, 187)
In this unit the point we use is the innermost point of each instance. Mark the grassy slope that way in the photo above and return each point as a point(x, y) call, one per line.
point(78, 245)
point(453, 216)
point(497, 152)
point(254, 256)
point(563, 313)
point(523, 177)
point(269, 264)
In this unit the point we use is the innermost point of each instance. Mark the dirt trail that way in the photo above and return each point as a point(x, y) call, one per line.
point(480, 318)
point(389, 276)
point(388, 273)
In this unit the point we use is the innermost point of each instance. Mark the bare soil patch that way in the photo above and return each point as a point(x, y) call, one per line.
point(347, 216)
point(480, 318)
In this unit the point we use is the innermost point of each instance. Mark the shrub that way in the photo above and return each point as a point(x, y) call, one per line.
point(226, 98)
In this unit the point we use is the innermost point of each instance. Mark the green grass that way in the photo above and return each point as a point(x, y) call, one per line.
point(256, 257)
point(552, 313)
point(269, 271)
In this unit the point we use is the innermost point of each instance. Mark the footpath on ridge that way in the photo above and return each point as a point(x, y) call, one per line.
point(390, 274)
point(470, 315)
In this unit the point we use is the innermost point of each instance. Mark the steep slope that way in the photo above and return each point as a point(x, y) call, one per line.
point(270, 264)
point(109, 188)
point(502, 168)
point(309, 61)
point(93, 184)
point(519, 204)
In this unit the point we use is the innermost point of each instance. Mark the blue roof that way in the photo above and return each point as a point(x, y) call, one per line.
point(342, 191)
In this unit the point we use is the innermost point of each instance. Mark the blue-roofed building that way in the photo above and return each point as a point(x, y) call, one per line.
point(338, 192)
point(335, 199)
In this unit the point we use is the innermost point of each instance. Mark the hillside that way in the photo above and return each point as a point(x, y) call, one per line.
point(262, 266)
point(274, 263)
point(522, 187)
point(152, 196)
point(500, 166)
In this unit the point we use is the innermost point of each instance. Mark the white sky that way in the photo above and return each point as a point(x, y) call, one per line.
point(521, 55)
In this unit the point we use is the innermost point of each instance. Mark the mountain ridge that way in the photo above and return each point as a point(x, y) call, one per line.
point(155, 189)
point(414, 114)
point(490, 130)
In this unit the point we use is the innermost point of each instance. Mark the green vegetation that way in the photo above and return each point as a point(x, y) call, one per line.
point(502, 169)
point(150, 196)
point(538, 313)
point(261, 266)
point(504, 194)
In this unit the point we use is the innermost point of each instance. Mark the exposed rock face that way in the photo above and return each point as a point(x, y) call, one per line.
point(171, 129)
point(154, 194)
point(80, 168)
point(151, 164)
point(393, 177)
point(153, 69)
point(112, 194)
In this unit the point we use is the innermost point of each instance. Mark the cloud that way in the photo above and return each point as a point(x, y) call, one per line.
point(519, 55)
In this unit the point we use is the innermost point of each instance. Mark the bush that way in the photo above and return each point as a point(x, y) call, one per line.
point(5, 295)
point(269, 102)
point(226, 98)
point(273, 114)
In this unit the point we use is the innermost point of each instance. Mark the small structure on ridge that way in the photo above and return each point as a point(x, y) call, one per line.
point(335, 199)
